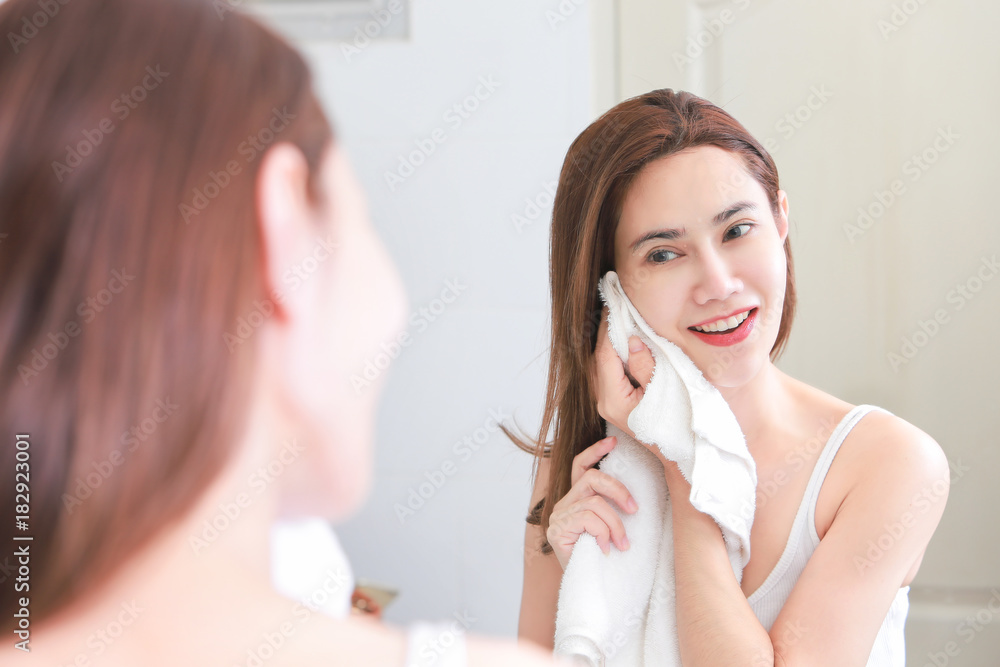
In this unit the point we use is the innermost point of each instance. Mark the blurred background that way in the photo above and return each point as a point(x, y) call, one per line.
point(457, 115)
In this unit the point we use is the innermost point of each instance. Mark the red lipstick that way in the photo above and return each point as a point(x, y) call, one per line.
point(737, 335)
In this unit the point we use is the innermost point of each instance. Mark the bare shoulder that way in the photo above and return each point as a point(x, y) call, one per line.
point(897, 449)
point(354, 640)
point(879, 441)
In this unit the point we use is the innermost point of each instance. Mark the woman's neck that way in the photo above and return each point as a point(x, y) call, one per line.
point(761, 404)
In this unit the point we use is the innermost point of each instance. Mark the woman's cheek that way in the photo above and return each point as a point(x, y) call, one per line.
point(660, 304)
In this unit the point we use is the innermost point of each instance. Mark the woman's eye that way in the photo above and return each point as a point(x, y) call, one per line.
point(748, 225)
point(661, 256)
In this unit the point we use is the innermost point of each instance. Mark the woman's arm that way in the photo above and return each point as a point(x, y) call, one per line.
point(879, 534)
point(542, 576)
point(715, 624)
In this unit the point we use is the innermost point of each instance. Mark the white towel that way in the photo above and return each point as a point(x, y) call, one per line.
point(619, 609)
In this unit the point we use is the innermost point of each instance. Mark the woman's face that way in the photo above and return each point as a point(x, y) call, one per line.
point(697, 243)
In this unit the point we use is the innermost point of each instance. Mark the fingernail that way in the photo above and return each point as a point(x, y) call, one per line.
point(611, 440)
point(624, 542)
point(634, 344)
point(631, 504)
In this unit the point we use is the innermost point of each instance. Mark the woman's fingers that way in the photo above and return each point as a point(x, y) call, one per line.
point(597, 483)
point(616, 394)
point(594, 516)
point(587, 508)
point(565, 530)
point(589, 457)
point(600, 508)
point(640, 361)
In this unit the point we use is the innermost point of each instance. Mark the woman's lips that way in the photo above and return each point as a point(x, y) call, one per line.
point(732, 337)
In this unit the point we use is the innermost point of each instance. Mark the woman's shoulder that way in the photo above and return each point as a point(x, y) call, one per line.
point(892, 444)
point(878, 440)
point(445, 643)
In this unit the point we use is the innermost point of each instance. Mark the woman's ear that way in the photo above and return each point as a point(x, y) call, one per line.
point(285, 219)
point(782, 221)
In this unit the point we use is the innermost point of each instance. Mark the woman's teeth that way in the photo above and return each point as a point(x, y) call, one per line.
point(724, 325)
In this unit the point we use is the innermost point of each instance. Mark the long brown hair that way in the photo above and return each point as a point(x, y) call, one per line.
point(598, 171)
point(131, 133)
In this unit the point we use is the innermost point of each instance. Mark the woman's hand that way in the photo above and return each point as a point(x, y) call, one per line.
point(585, 508)
point(618, 391)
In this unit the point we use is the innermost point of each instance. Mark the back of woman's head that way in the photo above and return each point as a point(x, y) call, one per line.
point(131, 132)
point(600, 167)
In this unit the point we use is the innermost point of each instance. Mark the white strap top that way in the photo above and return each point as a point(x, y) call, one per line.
point(441, 644)
point(889, 648)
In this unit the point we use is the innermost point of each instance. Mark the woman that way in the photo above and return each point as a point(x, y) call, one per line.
point(674, 195)
point(188, 278)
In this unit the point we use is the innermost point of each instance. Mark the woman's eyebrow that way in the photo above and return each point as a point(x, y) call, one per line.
point(673, 234)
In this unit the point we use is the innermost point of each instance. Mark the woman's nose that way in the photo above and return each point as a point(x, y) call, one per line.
point(716, 278)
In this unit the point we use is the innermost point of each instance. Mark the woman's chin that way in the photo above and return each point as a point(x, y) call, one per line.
point(730, 370)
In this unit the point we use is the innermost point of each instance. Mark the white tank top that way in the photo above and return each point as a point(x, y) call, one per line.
point(441, 644)
point(889, 649)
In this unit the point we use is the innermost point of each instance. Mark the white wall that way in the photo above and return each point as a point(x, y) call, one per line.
point(452, 221)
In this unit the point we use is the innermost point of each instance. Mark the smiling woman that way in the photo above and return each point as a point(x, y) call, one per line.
point(673, 194)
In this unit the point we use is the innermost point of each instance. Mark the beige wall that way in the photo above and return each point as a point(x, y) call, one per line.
point(861, 102)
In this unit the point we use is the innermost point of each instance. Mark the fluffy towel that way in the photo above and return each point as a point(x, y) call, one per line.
point(619, 609)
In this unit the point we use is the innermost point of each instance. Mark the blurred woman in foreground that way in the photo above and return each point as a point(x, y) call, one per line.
point(188, 277)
